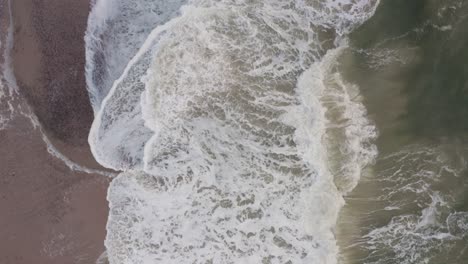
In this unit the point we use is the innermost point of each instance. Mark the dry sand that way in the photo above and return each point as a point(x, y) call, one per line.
point(49, 214)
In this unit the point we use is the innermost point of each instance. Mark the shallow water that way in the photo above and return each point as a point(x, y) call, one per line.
point(411, 207)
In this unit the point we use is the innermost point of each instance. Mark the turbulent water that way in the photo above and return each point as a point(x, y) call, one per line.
point(123, 26)
point(411, 207)
point(243, 128)
point(219, 122)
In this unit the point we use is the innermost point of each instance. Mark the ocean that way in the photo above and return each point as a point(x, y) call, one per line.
point(301, 131)
point(409, 61)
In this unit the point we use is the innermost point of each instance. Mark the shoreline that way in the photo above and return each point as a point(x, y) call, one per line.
point(51, 213)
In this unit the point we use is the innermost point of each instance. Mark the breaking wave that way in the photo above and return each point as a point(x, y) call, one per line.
point(235, 131)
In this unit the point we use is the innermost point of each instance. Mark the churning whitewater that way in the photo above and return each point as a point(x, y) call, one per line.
point(236, 135)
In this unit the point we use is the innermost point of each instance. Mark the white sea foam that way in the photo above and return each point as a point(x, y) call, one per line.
point(102, 259)
point(116, 30)
point(8, 74)
point(219, 122)
point(5, 112)
point(7, 80)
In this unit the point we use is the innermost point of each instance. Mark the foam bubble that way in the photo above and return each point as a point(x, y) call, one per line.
point(219, 123)
point(116, 30)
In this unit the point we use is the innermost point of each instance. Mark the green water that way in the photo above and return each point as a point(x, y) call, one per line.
point(411, 63)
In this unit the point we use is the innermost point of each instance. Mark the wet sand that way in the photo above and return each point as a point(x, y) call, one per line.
point(50, 214)
point(49, 57)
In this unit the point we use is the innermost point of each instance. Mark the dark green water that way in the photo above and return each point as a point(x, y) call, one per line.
point(411, 63)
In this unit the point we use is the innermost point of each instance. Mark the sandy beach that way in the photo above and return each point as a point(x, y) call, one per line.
point(276, 131)
point(50, 214)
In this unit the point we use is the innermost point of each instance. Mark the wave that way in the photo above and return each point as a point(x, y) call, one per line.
point(222, 125)
point(116, 29)
point(422, 223)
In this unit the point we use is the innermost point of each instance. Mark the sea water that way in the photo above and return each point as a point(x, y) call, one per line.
point(236, 134)
point(409, 61)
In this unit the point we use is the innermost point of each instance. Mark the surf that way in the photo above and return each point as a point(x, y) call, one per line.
point(224, 124)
